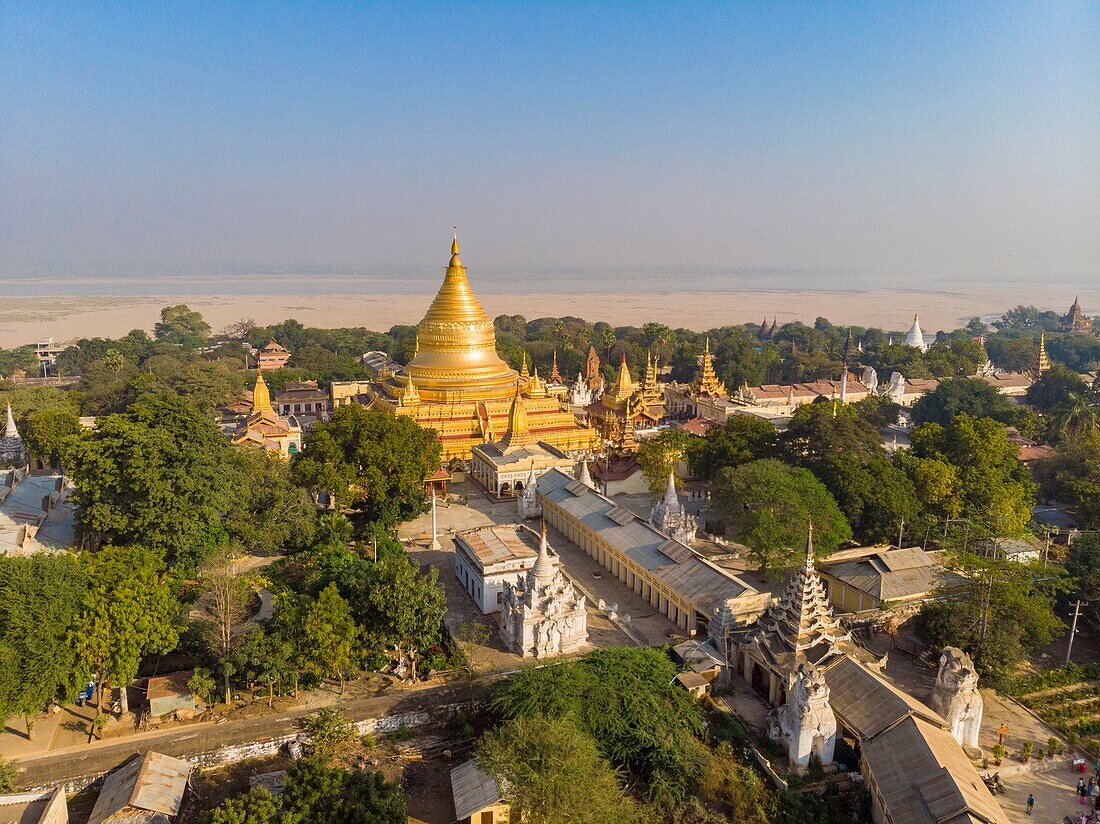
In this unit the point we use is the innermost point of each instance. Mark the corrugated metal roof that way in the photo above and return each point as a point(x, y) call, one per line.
point(491, 545)
point(704, 586)
point(472, 789)
point(888, 574)
point(868, 704)
point(923, 776)
point(155, 783)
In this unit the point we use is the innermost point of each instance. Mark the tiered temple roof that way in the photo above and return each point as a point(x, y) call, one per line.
point(707, 383)
point(800, 627)
point(1042, 360)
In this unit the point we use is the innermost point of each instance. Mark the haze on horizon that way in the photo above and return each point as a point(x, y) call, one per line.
point(897, 143)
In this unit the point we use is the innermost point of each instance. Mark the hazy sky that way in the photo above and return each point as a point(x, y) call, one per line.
point(918, 140)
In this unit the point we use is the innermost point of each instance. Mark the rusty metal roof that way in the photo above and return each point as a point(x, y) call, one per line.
point(153, 784)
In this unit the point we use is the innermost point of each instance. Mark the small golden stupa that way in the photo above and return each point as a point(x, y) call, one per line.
point(457, 384)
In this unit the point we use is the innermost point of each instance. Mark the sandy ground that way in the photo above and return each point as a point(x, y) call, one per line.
point(27, 319)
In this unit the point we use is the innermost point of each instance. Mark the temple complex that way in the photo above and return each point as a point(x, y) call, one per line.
point(13, 452)
point(1075, 320)
point(265, 428)
point(831, 703)
point(542, 614)
point(623, 409)
point(457, 384)
point(510, 465)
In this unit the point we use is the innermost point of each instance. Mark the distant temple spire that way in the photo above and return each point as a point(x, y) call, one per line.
point(261, 395)
point(1042, 361)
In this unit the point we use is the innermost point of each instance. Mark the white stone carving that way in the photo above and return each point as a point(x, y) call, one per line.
point(955, 696)
point(806, 722)
point(528, 499)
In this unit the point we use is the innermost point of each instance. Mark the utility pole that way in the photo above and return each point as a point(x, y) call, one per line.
point(1073, 630)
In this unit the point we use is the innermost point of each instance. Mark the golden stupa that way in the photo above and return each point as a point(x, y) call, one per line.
point(457, 384)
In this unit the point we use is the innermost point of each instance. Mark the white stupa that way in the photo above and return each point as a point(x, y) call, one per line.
point(915, 337)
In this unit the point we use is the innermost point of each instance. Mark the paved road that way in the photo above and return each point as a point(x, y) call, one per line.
point(61, 766)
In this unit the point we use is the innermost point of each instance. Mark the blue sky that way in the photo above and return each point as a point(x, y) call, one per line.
point(901, 142)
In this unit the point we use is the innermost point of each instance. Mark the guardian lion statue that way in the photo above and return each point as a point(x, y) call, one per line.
point(956, 697)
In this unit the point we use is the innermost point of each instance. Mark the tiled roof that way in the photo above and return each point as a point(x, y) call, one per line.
point(491, 545)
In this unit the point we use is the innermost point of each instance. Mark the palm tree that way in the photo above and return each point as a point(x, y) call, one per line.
point(334, 528)
point(1074, 418)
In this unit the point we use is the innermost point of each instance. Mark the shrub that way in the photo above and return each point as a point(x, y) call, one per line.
point(328, 732)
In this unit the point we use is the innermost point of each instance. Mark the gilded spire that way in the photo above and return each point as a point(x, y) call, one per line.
point(1042, 361)
point(456, 261)
point(555, 375)
point(624, 386)
point(261, 395)
point(523, 373)
point(517, 434)
point(707, 382)
point(410, 397)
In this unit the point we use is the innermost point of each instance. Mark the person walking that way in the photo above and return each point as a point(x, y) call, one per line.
point(1030, 803)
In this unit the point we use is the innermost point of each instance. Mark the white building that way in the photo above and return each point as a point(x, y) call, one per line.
point(670, 516)
point(489, 557)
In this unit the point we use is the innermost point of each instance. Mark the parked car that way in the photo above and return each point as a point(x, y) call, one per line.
point(85, 694)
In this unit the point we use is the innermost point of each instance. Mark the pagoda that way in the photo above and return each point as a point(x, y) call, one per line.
point(621, 410)
point(1042, 360)
point(707, 382)
point(1076, 320)
point(457, 384)
point(798, 629)
point(13, 452)
point(265, 428)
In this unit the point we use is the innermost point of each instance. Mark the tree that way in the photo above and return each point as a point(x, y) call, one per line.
point(328, 732)
point(223, 608)
point(329, 634)
point(1083, 567)
point(406, 606)
point(202, 684)
point(268, 511)
point(369, 460)
point(998, 611)
point(995, 490)
point(182, 326)
point(40, 599)
point(315, 793)
point(318, 794)
point(257, 806)
point(770, 505)
point(658, 455)
point(1075, 418)
point(955, 396)
point(627, 701)
point(1054, 388)
point(552, 773)
point(46, 431)
point(1072, 476)
point(129, 612)
point(154, 474)
point(741, 439)
point(263, 657)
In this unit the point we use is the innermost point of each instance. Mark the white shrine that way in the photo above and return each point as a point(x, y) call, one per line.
point(542, 615)
point(670, 516)
point(915, 337)
point(13, 452)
